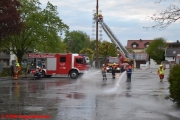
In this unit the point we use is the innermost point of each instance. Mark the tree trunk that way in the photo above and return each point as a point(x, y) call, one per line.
point(19, 57)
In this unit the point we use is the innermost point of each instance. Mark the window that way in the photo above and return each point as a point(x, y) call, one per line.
point(62, 59)
point(134, 46)
point(147, 45)
point(5, 52)
point(79, 60)
point(174, 52)
point(87, 61)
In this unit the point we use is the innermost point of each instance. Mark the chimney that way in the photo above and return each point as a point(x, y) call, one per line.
point(177, 41)
point(140, 40)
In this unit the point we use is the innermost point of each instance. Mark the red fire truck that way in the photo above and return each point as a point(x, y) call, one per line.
point(120, 61)
point(61, 64)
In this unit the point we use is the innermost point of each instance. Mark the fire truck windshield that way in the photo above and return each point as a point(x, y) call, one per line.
point(113, 60)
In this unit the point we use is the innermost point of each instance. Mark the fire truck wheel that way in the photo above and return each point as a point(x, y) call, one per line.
point(73, 74)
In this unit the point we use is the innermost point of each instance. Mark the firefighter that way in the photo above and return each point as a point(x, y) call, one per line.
point(37, 74)
point(129, 73)
point(40, 69)
point(103, 70)
point(100, 17)
point(12, 70)
point(16, 71)
point(19, 68)
point(161, 72)
point(113, 70)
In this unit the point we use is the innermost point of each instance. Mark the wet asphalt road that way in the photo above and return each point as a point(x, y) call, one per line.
point(88, 98)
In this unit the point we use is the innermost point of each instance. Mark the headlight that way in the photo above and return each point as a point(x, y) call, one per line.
point(107, 68)
point(118, 68)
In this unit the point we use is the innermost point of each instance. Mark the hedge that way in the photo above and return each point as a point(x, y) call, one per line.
point(7, 72)
point(174, 80)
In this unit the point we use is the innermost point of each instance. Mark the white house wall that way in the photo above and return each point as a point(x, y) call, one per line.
point(12, 57)
point(153, 64)
point(169, 59)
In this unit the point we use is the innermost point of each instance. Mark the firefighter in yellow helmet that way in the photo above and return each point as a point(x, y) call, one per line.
point(17, 71)
point(100, 17)
point(161, 72)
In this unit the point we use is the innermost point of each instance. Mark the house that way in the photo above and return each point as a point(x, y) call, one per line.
point(138, 45)
point(172, 50)
point(8, 58)
point(139, 56)
point(4, 57)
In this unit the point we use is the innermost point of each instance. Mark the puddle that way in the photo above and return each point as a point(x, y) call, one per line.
point(33, 108)
point(75, 95)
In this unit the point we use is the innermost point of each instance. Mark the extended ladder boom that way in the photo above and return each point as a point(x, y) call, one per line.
point(114, 40)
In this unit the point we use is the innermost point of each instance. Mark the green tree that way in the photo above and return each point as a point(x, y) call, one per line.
point(89, 52)
point(56, 46)
point(92, 45)
point(107, 49)
point(10, 18)
point(156, 49)
point(76, 41)
point(40, 32)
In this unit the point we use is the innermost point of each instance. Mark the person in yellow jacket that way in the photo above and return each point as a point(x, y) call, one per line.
point(17, 71)
point(161, 72)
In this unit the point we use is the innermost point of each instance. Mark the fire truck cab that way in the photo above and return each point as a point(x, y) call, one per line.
point(61, 64)
point(110, 61)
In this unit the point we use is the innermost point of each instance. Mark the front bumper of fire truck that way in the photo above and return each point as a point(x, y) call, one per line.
point(83, 71)
point(109, 69)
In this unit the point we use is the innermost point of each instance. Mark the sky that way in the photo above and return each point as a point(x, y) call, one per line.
point(125, 18)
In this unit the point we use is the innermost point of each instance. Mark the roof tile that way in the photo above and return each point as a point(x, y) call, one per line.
point(141, 43)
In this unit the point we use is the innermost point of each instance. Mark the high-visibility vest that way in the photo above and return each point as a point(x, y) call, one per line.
point(161, 71)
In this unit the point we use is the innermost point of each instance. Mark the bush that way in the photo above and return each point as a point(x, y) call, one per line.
point(5, 72)
point(174, 80)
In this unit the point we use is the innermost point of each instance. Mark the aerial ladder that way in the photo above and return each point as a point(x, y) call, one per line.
point(123, 53)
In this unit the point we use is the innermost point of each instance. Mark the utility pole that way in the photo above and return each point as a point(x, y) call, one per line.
point(97, 61)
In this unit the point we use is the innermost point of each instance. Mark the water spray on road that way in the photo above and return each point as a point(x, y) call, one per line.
point(119, 83)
